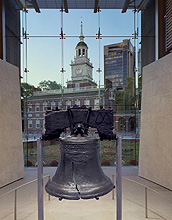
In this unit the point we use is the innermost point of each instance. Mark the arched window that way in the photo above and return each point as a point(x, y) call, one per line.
point(96, 103)
point(77, 102)
point(87, 103)
point(53, 105)
point(122, 124)
point(132, 123)
point(68, 104)
point(29, 107)
point(37, 123)
point(29, 123)
point(79, 52)
point(37, 107)
point(83, 52)
point(60, 104)
point(44, 106)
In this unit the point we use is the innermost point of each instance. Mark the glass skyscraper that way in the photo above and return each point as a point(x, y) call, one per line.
point(119, 63)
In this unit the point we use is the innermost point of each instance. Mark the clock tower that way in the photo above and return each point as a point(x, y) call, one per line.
point(81, 67)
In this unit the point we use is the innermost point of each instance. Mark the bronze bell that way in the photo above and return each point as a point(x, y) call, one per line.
point(79, 174)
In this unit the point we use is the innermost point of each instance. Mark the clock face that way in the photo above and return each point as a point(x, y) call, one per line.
point(78, 71)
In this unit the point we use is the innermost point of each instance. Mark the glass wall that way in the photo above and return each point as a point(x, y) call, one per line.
point(56, 76)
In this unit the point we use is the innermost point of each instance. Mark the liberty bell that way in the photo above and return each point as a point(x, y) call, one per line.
point(79, 174)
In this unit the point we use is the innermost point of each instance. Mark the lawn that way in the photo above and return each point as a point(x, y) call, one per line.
point(107, 152)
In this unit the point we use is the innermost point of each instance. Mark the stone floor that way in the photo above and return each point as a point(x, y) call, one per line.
point(103, 209)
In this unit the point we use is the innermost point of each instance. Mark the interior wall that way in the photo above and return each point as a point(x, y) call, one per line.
point(11, 145)
point(155, 162)
point(148, 33)
point(12, 29)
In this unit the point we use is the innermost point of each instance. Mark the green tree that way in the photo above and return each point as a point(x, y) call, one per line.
point(125, 99)
point(130, 93)
point(26, 91)
point(140, 90)
point(119, 100)
point(129, 88)
point(49, 85)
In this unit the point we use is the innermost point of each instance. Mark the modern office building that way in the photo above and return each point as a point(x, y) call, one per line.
point(119, 63)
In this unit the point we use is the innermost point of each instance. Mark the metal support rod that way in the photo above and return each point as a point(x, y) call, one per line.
point(62, 59)
point(141, 5)
point(99, 38)
point(15, 204)
point(119, 178)
point(40, 179)
point(2, 31)
point(48, 194)
point(156, 31)
point(113, 191)
point(146, 202)
point(99, 54)
point(25, 36)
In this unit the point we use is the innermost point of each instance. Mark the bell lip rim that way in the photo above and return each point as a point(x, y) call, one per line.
point(81, 195)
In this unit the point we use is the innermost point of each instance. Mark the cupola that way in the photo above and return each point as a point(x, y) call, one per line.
point(81, 47)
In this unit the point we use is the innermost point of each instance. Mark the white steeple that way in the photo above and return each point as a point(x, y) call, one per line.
point(81, 67)
point(81, 47)
point(81, 37)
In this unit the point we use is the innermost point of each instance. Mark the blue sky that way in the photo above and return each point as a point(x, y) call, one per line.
point(44, 53)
